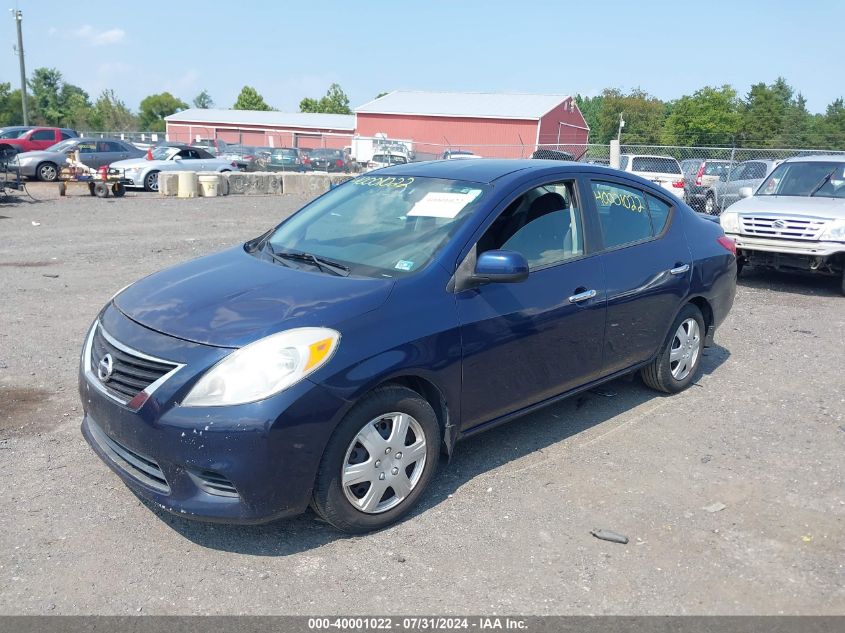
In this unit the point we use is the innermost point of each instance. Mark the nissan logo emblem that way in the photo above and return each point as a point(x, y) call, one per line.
point(105, 368)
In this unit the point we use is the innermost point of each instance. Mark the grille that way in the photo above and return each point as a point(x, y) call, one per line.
point(132, 372)
point(788, 228)
point(214, 483)
point(141, 468)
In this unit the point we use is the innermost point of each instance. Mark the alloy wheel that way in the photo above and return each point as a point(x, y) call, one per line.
point(152, 181)
point(686, 346)
point(384, 463)
point(48, 172)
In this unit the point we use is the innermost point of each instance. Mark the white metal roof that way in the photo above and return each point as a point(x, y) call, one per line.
point(496, 105)
point(260, 118)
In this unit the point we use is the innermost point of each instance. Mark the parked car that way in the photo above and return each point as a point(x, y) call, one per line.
point(329, 361)
point(241, 155)
point(37, 138)
point(454, 154)
point(214, 146)
point(282, 159)
point(796, 218)
point(143, 173)
point(552, 154)
point(386, 159)
point(661, 170)
point(46, 164)
point(13, 131)
point(260, 159)
point(700, 175)
point(334, 160)
point(749, 173)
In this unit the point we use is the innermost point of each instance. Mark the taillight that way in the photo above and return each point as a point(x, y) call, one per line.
point(371, 165)
point(699, 175)
point(678, 184)
point(727, 243)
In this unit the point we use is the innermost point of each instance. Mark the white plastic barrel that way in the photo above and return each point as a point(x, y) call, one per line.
point(209, 185)
point(187, 184)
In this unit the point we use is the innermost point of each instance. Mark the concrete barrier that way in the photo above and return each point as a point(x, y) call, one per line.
point(168, 183)
point(257, 184)
point(237, 181)
point(187, 184)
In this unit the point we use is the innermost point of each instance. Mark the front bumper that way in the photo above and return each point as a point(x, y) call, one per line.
point(267, 452)
point(27, 170)
point(788, 247)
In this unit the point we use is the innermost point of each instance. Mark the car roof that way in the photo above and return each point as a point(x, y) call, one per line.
point(486, 170)
point(824, 158)
point(648, 156)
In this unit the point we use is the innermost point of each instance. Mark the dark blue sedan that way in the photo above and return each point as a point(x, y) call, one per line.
point(331, 360)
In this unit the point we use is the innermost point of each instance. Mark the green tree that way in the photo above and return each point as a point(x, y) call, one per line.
point(643, 115)
point(763, 114)
point(830, 128)
point(710, 116)
point(74, 106)
point(110, 114)
point(335, 101)
point(11, 112)
point(203, 101)
point(590, 108)
point(43, 104)
point(249, 99)
point(154, 108)
point(381, 94)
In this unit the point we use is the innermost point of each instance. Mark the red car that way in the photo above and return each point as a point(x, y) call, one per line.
point(37, 138)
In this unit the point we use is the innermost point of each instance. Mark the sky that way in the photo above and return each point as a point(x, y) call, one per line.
point(290, 50)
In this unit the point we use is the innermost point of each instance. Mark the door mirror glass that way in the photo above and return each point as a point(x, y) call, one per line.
point(500, 267)
point(746, 192)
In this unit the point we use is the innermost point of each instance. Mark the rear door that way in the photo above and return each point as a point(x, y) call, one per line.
point(88, 153)
point(647, 266)
point(526, 342)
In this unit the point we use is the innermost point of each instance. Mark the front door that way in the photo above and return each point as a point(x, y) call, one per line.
point(526, 342)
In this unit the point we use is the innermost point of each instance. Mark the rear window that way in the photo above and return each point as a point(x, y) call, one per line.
point(386, 158)
point(715, 169)
point(655, 164)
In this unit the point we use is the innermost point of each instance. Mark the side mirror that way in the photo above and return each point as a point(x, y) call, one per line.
point(177, 158)
point(746, 192)
point(500, 267)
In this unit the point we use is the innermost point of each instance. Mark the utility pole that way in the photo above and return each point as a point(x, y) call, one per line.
point(621, 125)
point(18, 15)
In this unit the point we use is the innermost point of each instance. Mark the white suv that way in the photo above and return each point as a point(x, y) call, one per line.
point(661, 170)
point(796, 218)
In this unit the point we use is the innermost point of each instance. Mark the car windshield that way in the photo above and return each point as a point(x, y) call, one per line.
point(63, 146)
point(325, 153)
point(386, 226)
point(164, 153)
point(715, 169)
point(389, 159)
point(12, 133)
point(821, 179)
point(655, 165)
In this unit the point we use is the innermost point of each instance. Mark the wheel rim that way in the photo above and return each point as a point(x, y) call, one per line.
point(686, 346)
point(708, 206)
point(384, 463)
point(152, 181)
point(48, 172)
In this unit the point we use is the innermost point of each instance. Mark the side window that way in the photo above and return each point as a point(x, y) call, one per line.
point(42, 135)
point(756, 170)
point(659, 212)
point(737, 173)
point(544, 224)
point(86, 148)
point(623, 213)
point(66, 136)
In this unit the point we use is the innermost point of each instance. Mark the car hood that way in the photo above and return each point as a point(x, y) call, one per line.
point(231, 299)
point(130, 163)
point(42, 155)
point(829, 208)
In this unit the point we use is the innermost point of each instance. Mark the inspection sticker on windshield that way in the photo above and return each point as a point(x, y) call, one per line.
point(442, 204)
point(404, 264)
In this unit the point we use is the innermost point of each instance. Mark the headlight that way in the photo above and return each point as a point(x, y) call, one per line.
point(730, 222)
point(264, 368)
point(835, 232)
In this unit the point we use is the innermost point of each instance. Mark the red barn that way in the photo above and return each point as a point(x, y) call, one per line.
point(254, 127)
point(488, 124)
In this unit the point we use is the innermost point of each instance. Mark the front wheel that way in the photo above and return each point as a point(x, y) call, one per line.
point(678, 361)
point(710, 205)
point(378, 462)
point(47, 172)
point(151, 181)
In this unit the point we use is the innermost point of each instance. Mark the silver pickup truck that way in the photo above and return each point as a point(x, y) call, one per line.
point(795, 219)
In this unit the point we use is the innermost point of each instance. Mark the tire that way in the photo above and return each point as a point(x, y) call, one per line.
point(118, 189)
point(710, 205)
point(91, 188)
point(843, 282)
point(740, 264)
point(671, 375)
point(151, 181)
point(47, 172)
point(62, 189)
point(366, 504)
point(101, 190)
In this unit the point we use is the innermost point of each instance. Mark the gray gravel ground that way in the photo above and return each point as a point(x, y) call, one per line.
point(505, 527)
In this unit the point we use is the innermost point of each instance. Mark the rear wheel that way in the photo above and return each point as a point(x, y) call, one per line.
point(47, 172)
point(378, 462)
point(118, 190)
point(677, 363)
point(101, 190)
point(710, 205)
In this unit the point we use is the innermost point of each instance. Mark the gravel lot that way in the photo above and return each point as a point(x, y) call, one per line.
point(505, 527)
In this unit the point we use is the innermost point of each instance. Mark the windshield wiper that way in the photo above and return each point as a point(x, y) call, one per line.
point(823, 182)
point(322, 263)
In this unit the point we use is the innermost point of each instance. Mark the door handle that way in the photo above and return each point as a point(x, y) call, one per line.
point(679, 270)
point(582, 296)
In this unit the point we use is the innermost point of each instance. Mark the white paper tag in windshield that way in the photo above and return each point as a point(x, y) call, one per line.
point(442, 204)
